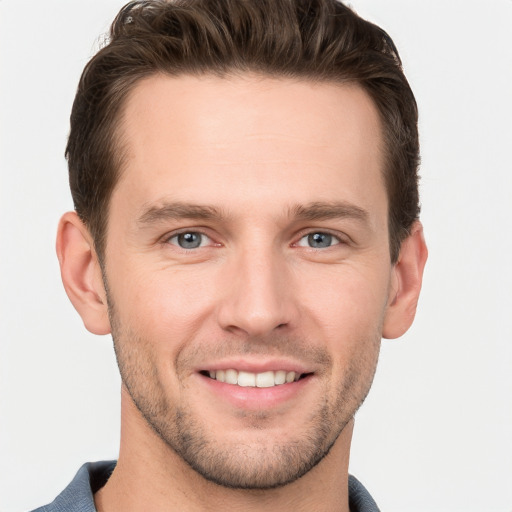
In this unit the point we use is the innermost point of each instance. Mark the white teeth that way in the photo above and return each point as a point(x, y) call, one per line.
point(260, 380)
point(290, 377)
point(246, 379)
point(280, 377)
point(265, 380)
point(231, 376)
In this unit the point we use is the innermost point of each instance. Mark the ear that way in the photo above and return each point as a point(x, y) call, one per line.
point(406, 284)
point(81, 273)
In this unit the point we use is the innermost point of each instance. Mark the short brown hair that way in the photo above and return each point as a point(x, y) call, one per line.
point(320, 40)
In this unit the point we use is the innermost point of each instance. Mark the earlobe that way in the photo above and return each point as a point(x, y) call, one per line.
point(406, 284)
point(81, 273)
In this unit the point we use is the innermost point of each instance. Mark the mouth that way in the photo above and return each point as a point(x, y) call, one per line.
point(267, 379)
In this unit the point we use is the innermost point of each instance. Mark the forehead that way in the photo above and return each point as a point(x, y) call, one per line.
point(223, 138)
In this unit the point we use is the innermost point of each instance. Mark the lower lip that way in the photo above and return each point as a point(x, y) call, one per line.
point(253, 398)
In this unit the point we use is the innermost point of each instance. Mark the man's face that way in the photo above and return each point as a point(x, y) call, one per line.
point(248, 269)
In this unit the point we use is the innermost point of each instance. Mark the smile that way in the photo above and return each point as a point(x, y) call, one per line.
point(266, 379)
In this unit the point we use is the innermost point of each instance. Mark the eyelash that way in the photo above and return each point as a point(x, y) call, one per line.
point(168, 239)
point(336, 238)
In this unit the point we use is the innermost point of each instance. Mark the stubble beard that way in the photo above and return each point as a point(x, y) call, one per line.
point(258, 466)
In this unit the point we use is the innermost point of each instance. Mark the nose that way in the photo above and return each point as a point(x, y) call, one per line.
point(258, 294)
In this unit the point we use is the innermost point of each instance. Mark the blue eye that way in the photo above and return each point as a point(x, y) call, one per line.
point(318, 240)
point(189, 240)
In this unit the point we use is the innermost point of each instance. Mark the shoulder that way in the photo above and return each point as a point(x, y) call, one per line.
point(78, 496)
point(360, 499)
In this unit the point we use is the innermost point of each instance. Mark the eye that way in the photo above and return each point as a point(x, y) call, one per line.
point(189, 240)
point(318, 240)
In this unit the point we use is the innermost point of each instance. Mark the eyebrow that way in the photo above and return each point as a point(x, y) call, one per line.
point(329, 210)
point(177, 210)
point(310, 212)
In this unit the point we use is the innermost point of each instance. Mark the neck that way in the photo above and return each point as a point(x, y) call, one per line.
point(150, 476)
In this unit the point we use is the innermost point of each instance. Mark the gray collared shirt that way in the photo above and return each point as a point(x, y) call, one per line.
point(78, 496)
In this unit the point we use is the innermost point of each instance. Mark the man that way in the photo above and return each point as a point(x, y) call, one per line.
point(245, 183)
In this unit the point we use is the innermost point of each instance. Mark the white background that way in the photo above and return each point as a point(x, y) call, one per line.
point(436, 432)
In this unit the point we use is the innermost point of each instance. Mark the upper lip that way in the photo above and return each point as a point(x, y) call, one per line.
point(256, 366)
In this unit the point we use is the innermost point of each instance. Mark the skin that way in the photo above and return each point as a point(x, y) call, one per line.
point(253, 166)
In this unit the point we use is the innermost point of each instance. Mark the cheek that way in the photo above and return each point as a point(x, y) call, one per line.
point(348, 314)
point(348, 296)
point(167, 303)
point(349, 321)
